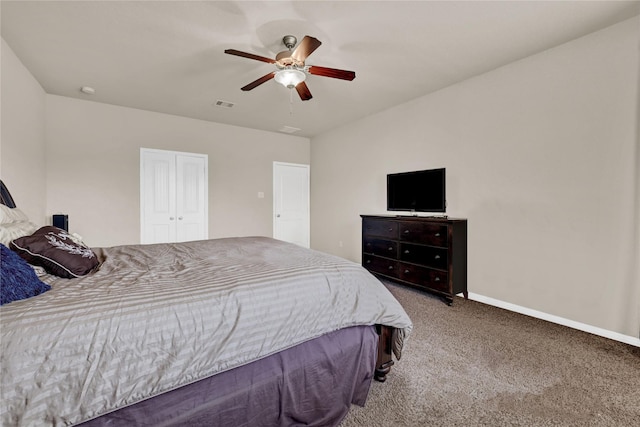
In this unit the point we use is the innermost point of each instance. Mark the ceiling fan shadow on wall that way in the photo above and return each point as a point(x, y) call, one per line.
point(291, 70)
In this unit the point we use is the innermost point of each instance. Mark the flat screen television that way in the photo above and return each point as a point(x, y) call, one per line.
point(418, 191)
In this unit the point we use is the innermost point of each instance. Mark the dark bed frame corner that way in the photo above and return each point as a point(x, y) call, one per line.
point(384, 361)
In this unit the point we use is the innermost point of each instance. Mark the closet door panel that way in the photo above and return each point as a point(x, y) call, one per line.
point(159, 198)
point(191, 196)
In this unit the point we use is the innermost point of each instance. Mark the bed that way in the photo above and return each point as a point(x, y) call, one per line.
point(241, 331)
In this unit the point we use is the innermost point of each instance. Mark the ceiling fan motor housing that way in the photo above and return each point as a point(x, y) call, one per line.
point(284, 60)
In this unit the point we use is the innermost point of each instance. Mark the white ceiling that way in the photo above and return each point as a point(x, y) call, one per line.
point(168, 56)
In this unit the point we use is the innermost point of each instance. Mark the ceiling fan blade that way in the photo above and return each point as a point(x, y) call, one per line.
point(258, 82)
point(305, 48)
point(303, 91)
point(250, 56)
point(332, 72)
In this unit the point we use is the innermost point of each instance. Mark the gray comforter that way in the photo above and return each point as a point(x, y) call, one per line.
point(157, 317)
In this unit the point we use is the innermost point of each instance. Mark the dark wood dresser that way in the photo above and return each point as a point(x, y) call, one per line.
point(428, 253)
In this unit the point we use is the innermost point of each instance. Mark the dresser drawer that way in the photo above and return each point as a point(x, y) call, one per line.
point(432, 279)
point(380, 228)
point(380, 265)
point(426, 255)
point(386, 248)
point(426, 233)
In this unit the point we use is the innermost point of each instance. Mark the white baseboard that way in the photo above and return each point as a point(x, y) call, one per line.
point(556, 319)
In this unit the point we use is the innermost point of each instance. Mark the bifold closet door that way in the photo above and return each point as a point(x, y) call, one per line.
point(191, 198)
point(173, 196)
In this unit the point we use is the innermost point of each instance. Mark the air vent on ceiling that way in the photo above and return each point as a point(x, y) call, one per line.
point(288, 129)
point(224, 104)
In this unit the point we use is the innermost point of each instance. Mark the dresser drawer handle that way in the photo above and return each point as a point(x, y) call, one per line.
point(368, 244)
point(437, 257)
point(407, 271)
point(406, 231)
point(391, 267)
point(437, 279)
point(437, 234)
point(390, 248)
point(406, 251)
point(368, 261)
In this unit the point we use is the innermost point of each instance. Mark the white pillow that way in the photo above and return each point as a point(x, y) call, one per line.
point(13, 230)
point(9, 215)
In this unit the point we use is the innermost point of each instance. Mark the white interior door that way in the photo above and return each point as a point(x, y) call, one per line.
point(173, 196)
point(158, 194)
point(291, 203)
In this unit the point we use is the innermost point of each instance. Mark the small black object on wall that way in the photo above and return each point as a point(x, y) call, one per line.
point(61, 221)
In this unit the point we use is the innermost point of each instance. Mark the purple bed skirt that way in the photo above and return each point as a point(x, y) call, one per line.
point(312, 384)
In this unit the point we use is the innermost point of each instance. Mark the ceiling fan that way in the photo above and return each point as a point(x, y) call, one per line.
point(291, 70)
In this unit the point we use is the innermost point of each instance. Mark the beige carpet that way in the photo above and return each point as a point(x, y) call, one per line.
point(476, 365)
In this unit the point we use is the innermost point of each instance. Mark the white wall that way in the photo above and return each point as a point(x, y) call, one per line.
point(93, 169)
point(541, 157)
point(22, 139)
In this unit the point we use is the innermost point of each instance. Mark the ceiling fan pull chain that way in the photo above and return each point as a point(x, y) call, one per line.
point(291, 102)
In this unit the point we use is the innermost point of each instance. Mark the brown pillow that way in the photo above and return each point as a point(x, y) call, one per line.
point(55, 250)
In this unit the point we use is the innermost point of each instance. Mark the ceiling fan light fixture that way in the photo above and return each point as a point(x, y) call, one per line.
point(290, 77)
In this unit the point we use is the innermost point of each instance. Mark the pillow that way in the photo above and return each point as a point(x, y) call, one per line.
point(9, 215)
point(13, 230)
point(18, 279)
point(56, 251)
point(13, 224)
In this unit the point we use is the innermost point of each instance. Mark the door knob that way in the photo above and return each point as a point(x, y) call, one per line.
point(171, 218)
point(277, 215)
point(179, 217)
